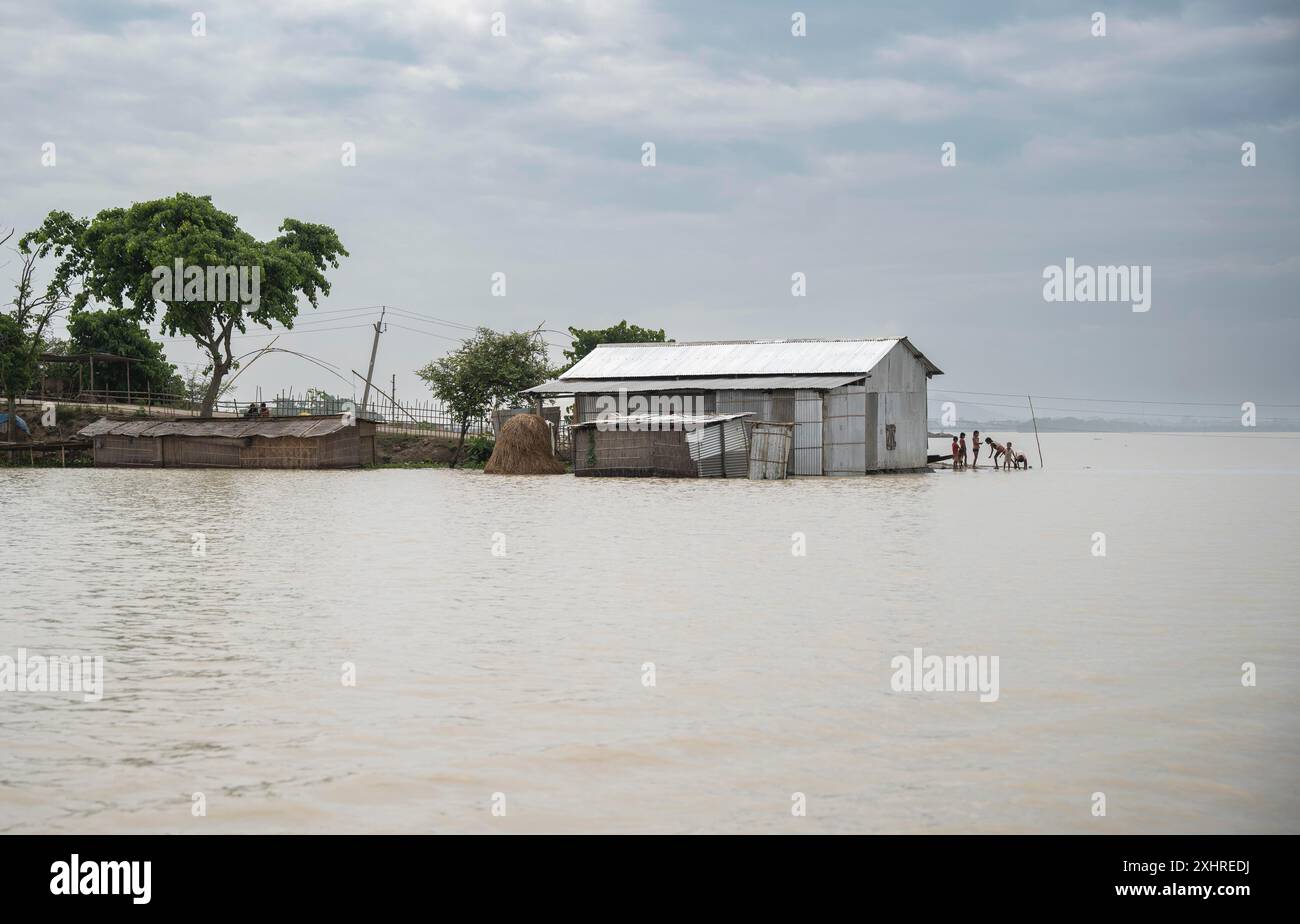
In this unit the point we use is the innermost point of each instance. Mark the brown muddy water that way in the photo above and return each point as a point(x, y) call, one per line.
point(523, 673)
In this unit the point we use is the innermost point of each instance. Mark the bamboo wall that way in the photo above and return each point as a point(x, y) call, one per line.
point(645, 453)
point(348, 448)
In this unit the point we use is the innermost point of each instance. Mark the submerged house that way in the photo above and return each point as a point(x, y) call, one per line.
point(335, 441)
point(857, 406)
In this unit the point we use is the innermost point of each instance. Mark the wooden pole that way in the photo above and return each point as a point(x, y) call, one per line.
point(1036, 440)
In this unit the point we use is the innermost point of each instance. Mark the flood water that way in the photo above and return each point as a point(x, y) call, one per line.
point(522, 673)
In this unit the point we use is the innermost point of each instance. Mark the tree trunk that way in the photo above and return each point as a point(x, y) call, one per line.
point(214, 388)
point(460, 444)
point(11, 426)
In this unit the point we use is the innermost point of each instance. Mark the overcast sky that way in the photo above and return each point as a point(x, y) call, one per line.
point(775, 154)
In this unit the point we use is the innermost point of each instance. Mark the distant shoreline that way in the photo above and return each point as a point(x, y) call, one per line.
point(1101, 426)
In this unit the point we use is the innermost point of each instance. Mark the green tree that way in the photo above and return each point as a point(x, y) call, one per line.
point(116, 331)
point(17, 367)
point(489, 371)
point(29, 318)
point(584, 341)
point(128, 255)
point(194, 385)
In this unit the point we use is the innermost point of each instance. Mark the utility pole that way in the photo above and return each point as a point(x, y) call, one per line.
point(392, 395)
point(374, 348)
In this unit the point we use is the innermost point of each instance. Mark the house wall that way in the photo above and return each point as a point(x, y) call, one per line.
point(901, 386)
point(654, 453)
point(127, 450)
point(844, 445)
point(343, 449)
point(289, 451)
point(806, 457)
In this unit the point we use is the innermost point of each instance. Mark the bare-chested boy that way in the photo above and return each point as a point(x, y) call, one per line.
point(997, 449)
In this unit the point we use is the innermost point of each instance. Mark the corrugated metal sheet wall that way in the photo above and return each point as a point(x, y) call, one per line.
point(845, 433)
point(769, 450)
point(906, 412)
point(706, 445)
point(807, 458)
point(901, 385)
point(758, 403)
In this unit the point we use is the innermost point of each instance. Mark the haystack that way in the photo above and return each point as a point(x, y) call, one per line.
point(523, 447)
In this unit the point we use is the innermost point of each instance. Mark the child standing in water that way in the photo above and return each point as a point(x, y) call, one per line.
point(955, 450)
point(997, 449)
point(963, 450)
point(975, 449)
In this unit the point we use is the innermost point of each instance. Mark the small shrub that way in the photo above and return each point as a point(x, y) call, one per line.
point(478, 449)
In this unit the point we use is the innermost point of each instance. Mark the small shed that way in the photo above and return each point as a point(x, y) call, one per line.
point(662, 446)
point(334, 441)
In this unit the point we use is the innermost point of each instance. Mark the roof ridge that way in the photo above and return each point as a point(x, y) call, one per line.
point(677, 343)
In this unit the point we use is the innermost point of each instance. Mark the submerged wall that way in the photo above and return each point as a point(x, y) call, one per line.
point(348, 448)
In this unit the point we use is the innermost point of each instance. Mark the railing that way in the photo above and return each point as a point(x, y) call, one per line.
point(116, 398)
point(414, 417)
point(418, 417)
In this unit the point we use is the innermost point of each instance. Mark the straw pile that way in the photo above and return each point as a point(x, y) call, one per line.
point(524, 448)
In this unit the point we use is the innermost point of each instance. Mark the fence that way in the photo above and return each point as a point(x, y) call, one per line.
point(430, 418)
point(423, 417)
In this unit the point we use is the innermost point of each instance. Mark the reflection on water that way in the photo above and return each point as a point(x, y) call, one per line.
point(522, 673)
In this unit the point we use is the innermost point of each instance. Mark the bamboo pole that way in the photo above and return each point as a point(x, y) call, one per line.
point(1036, 440)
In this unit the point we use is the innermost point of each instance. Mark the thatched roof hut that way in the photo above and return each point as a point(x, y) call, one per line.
point(524, 448)
point(334, 441)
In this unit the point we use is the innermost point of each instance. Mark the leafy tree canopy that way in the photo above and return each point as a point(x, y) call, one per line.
point(116, 331)
point(17, 364)
point(117, 256)
point(490, 370)
point(584, 341)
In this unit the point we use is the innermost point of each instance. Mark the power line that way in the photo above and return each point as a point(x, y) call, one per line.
point(273, 332)
point(995, 394)
point(1136, 413)
point(447, 337)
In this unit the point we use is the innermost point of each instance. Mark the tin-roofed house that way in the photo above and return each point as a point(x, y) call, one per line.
point(857, 406)
point(335, 441)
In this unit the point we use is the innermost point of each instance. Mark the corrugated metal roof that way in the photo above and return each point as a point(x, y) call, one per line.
point(660, 421)
point(750, 383)
point(268, 427)
point(737, 357)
